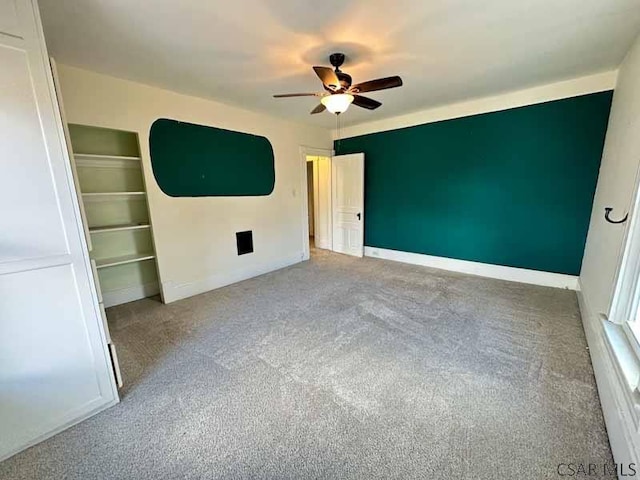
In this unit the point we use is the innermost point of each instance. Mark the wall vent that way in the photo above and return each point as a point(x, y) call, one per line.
point(244, 241)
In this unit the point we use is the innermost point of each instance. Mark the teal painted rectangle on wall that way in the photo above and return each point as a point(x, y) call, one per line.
point(512, 188)
point(191, 160)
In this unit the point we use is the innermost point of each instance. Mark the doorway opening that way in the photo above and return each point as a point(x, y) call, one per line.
point(332, 202)
point(310, 205)
point(318, 183)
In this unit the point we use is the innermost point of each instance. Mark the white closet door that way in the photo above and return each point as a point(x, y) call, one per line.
point(55, 369)
point(347, 189)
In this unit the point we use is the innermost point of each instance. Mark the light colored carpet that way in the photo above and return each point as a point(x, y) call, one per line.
point(342, 368)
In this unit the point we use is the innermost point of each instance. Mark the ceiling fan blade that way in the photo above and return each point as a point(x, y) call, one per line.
point(328, 77)
point(319, 109)
point(378, 84)
point(287, 95)
point(365, 102)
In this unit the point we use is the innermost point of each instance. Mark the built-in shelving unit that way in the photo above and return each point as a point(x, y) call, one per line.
point(111, 182)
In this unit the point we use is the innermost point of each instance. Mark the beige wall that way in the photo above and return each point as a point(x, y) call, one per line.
point(610, 351)
point(195, 237)
point(616, 183)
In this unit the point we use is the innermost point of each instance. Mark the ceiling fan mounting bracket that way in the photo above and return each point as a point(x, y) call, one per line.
point(336, 59)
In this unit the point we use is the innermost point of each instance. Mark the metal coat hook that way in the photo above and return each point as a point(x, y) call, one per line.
point(608, 210)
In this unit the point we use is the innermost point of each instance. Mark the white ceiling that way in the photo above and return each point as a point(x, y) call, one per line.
point(243, 51)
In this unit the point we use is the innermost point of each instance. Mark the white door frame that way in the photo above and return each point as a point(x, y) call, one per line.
point(304, 198)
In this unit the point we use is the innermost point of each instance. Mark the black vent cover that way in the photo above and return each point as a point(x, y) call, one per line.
point(244, 240)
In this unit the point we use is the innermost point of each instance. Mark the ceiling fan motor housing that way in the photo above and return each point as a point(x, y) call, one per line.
point(345, 80)
point(337, 59)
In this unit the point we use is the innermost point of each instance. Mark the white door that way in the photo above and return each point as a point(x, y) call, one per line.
point(347, 190)
point(55, 367)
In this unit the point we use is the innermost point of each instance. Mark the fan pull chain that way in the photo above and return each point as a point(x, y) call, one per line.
point(338, 131)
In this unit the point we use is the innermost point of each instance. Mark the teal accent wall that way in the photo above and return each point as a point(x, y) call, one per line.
point(511, 188)
point(191, 160)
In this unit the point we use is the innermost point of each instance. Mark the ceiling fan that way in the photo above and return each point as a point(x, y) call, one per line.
point(340, 93)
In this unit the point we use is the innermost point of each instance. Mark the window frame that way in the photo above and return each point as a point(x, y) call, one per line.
point(622, 341)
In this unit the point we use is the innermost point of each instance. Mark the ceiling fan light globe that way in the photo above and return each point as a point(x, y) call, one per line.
point(338, 102)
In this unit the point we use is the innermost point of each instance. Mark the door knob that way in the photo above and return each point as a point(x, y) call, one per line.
point(359, 216)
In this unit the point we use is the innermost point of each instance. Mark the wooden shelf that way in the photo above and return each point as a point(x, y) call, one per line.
point(119, 228)
point(106, 161)
point(108, 196)
point(90, 156)
point(112, 262)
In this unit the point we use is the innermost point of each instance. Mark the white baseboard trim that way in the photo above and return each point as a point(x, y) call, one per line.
point(126, 295)
point(513, 274)
point(177, 291)
point(623, 438)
